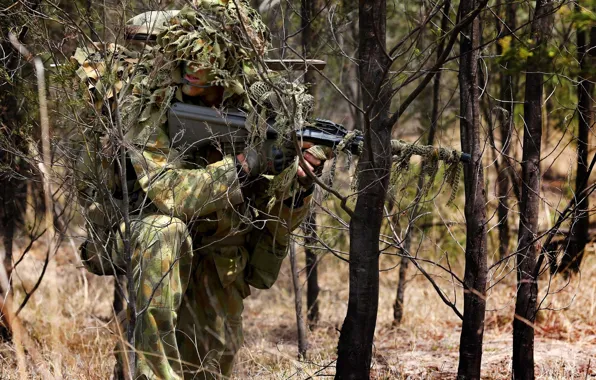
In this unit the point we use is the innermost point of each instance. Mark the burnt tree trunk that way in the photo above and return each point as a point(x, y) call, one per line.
point(357, 332)
point(398, 306)
point(527, 248)
point(508, 87)
point(310, 228)
point(312, 278)
point(578, 236)
point(470, 349)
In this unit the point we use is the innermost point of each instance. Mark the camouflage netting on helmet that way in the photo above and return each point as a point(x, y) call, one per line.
point(220, 36)
point(228, 38)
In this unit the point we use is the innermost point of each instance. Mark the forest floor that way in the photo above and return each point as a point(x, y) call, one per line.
point(69, 318)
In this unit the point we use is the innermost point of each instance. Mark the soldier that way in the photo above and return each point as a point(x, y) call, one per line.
point(204, 227)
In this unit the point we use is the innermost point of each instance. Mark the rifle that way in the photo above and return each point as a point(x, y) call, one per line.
point(192, 126)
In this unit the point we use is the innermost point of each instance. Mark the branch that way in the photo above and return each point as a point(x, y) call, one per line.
point(454, 34)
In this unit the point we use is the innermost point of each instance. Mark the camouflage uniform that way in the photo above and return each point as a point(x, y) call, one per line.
point(199, 239)
point(201, 248)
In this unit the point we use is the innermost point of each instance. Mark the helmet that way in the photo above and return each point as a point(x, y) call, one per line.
point(146, 26)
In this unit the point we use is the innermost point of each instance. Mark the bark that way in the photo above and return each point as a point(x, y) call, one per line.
point(398, 306)
point(470, 350)
point(508, 87)
point(356, 338)
point(527, 282)
point(310, 228)
point(578, 237)
point(312, 279)
point(302, 343)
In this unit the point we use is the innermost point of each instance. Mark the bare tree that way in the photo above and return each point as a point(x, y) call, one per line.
point(470, 349)
point(507, 91)
point(312, 280)
point(355, 341)
point(398, 306)
point(300, 326)
point(527, 249)
point(578, 234)
point(309, 226)
point(12, 166)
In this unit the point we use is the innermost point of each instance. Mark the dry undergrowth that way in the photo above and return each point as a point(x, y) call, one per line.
point(78, 337)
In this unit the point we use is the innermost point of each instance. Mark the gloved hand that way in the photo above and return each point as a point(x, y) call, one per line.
point(268, 157)
point(314, 159)
point(273, 159)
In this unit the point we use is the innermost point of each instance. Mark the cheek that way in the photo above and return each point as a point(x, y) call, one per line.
point(202, 74)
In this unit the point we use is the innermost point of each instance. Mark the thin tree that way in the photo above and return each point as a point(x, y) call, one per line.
point(312, 277)
point(300, 326)
point(527, 248)
point(578, 236)
point(309, 225)
point(470, 349)
point(507, 89)
point(398, 306)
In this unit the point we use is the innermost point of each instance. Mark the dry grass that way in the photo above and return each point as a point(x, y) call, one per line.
point(424, 346)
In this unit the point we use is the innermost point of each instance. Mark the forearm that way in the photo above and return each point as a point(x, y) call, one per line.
point(187, 193)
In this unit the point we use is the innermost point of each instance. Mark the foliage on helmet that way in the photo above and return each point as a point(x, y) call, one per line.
point(220, 36)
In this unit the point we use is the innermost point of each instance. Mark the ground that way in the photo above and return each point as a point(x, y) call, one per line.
point(69, 320)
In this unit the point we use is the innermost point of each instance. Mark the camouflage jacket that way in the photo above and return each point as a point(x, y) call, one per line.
point(234, 224)
point(242, 227)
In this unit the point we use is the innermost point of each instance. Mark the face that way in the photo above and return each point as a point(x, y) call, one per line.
point(197, 77)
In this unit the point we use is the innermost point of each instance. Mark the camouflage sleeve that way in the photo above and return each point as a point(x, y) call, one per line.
point(287, 215)
point(173, 189)
point(269, 244)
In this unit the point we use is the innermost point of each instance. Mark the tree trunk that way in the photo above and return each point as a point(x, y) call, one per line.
point(578, 236)
point(312, 278)
point(309, 226)
point(10, 194)
point(302, 343)
point(398, 306)
point(508, 88)
point(470, 350)
point(356, 338)
point(527, 283)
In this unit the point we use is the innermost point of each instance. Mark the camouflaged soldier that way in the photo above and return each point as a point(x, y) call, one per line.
point(205, 226)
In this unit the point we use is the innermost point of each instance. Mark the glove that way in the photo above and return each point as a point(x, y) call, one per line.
point(268, 157)
point(315, 156)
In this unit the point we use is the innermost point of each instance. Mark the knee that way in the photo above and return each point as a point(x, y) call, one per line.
point(163, 228)
point(165, 234)
point(173, 230)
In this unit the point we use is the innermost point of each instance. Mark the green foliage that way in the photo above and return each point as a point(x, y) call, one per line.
point(585, 18)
